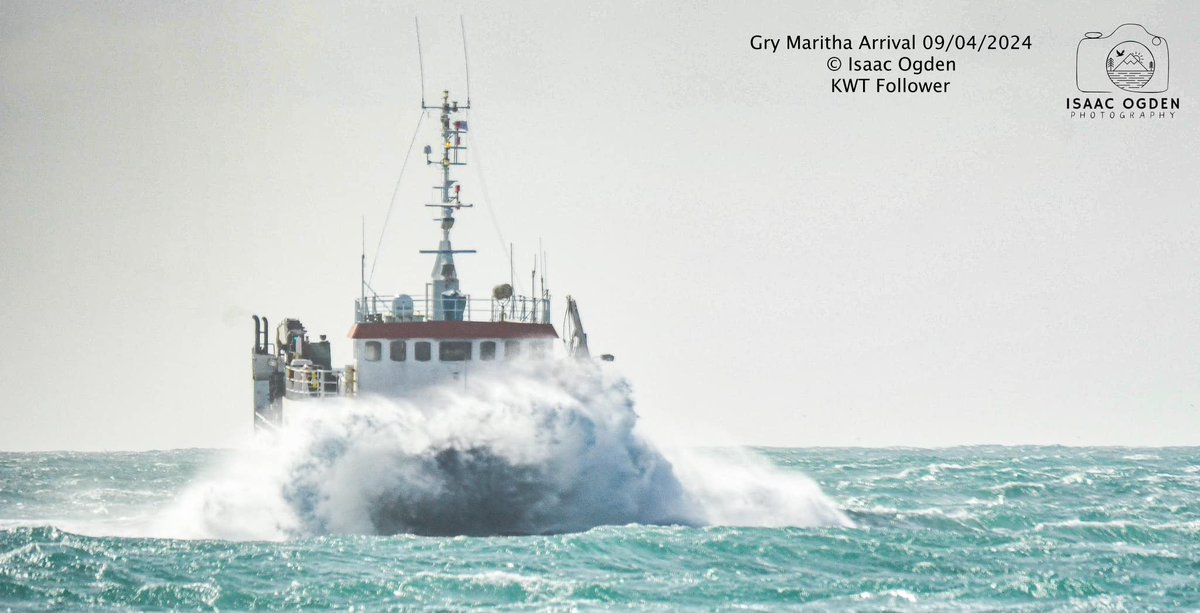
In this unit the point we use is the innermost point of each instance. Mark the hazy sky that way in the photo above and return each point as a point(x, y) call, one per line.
point(771, 263)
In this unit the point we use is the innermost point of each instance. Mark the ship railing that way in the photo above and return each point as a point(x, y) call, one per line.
point(521, 309)
point(309, 382)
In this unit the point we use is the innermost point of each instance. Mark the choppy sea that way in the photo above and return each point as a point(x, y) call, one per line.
point(970, 528)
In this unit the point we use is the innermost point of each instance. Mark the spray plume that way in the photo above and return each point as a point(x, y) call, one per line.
point(550, 451)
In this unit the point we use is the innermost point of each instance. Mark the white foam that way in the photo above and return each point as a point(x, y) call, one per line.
point(550, 451)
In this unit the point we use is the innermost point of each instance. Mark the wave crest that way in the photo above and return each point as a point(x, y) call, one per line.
point(531, 453)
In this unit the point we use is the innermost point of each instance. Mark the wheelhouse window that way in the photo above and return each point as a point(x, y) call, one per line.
point(422, 351)
point(372, 351)
point(512, 349)
point(538, 350)
point(398, 351)
point(454, 351)
point(487, 350)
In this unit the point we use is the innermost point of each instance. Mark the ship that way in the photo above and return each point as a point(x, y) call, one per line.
point(407, 344)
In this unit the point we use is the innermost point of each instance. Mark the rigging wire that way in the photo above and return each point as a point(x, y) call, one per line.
point(483, 190)
point(421, 60)
point(466, 61)
point(505, 246)
point(395, 192)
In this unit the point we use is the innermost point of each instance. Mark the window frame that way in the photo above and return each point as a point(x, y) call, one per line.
point(467, 349)
point(403, 345)
point(425, 347)
point(373, 348)
point(512, 349)
point(487, 351)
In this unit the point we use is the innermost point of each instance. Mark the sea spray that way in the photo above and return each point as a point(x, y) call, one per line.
point(736, 487)
point(540, 451)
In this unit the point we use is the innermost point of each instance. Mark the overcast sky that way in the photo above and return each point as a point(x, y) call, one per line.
point(771, 263)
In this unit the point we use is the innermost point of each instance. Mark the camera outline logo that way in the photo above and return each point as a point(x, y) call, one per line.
point(1130, 59)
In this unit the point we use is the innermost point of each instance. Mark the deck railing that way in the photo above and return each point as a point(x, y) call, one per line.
point(310, 382)
point(523, 309)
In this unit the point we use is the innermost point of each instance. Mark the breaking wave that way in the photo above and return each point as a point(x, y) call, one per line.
point(530, 454)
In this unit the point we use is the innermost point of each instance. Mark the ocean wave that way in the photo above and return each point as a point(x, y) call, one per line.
point(532, 453)
point(1119, 543)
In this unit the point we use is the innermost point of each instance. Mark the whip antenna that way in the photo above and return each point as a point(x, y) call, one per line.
point(421, 60)
point(466, 63)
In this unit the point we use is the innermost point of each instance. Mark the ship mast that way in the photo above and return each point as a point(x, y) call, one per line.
point(448, 303)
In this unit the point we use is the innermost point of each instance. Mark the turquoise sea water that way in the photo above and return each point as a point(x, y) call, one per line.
point(973, 528)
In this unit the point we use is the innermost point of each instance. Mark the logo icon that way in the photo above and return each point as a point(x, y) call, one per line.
point(1131, 59)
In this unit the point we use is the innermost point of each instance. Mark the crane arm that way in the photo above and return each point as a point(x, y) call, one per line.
point(575, 337)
